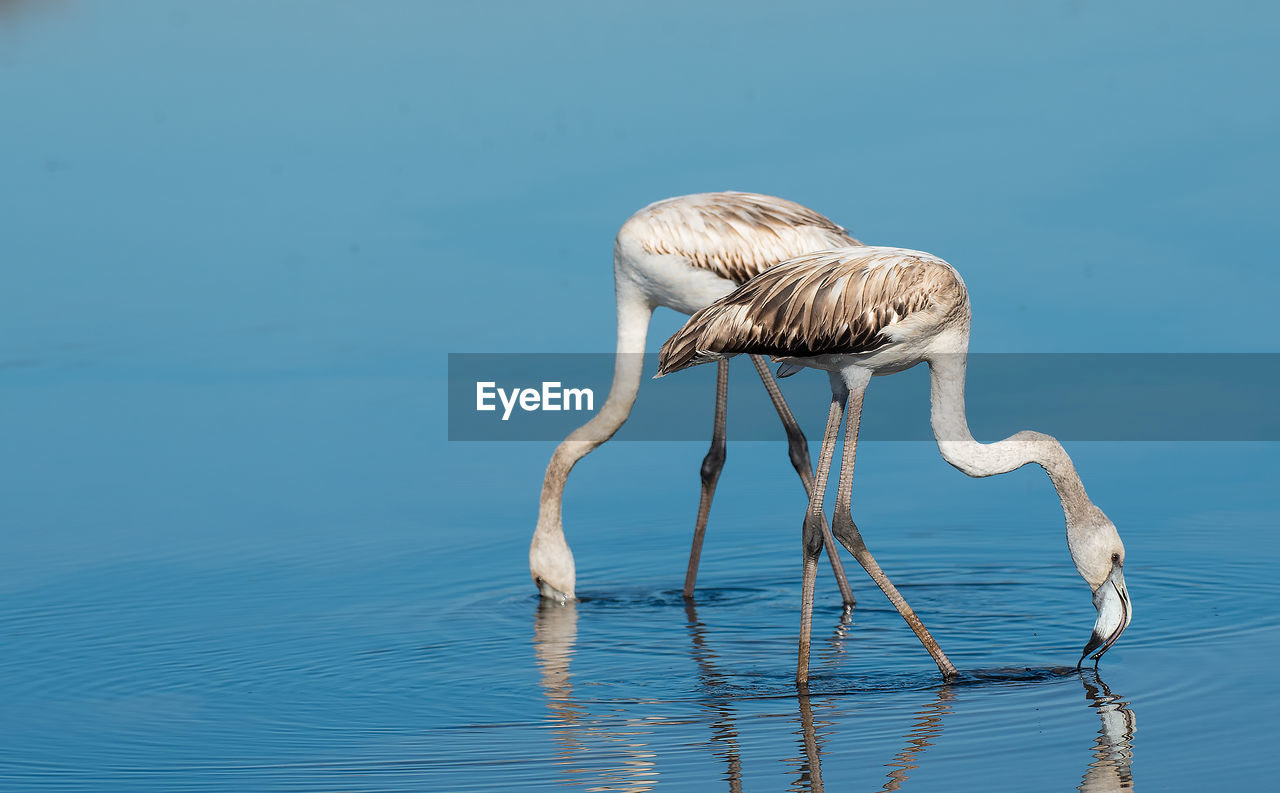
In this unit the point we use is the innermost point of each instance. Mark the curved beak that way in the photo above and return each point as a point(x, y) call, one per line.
point(1114, 615)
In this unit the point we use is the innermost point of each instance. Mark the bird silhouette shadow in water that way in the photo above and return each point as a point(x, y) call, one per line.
point(609, 748)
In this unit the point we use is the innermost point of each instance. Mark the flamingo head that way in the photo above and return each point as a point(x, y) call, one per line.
point(1099, 557)
point(551, 566)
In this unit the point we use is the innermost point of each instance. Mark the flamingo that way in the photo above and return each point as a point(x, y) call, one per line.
point(683, 253)
point(866, 311)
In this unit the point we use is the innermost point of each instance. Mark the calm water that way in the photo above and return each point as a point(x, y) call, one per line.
point(373, 656)
point(237, 551)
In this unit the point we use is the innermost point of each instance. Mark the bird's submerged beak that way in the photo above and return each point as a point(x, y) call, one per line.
point(549, 592)
point(1114, 614)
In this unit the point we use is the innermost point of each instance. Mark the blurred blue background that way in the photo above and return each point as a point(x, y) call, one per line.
point(239, 239)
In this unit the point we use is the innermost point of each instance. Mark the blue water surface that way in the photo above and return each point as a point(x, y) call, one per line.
point(238, 552)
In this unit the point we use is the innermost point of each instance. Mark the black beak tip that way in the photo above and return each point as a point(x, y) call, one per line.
point(1095, 641)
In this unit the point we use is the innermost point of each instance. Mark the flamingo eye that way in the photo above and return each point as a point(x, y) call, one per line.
point(1115, 557)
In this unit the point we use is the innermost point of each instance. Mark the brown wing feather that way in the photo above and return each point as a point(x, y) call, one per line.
point(831, 302)
point(735, 235)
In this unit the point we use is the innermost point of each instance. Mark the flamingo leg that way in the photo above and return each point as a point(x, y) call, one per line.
point(813, 522)
point(712, 464)
point(798, 450)
point(846, 531)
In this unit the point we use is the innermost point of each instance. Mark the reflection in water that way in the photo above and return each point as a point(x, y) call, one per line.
point(607, 750)
point(924, 731)
point(724, 734)
point(631, 766)
point(827, 657)
point(555, 629)
point(725, 743)
point(811, 768)
point(1111, 768)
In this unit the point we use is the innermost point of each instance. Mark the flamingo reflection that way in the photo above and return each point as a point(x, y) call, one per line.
point(613, 749)
point(725, 737)
point(724, 732)
point(1112, 766)
point(924, 732)
point(631, 764)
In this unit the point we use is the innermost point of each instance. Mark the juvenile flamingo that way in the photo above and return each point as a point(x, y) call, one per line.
point(683, 253)
point(860, 312)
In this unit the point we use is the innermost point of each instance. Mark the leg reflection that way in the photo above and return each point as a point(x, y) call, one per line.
point(724, 732)
point(833, 651)
point(811, 767)
point(1112, 766)
point(924, 731)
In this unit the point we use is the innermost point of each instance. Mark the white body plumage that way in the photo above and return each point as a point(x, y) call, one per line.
point(683, 253)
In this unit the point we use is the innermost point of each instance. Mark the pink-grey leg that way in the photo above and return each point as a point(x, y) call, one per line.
point(798, 451)
point(813, 523)
point(846, 531)
point(712, 464)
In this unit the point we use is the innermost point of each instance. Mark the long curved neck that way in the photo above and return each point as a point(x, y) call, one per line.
point(633, 326)
point(951, 430)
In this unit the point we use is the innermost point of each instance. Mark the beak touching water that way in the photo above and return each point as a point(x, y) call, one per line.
point(1114, 614)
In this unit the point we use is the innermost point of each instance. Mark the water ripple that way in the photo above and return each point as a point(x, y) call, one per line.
point(292, 670)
